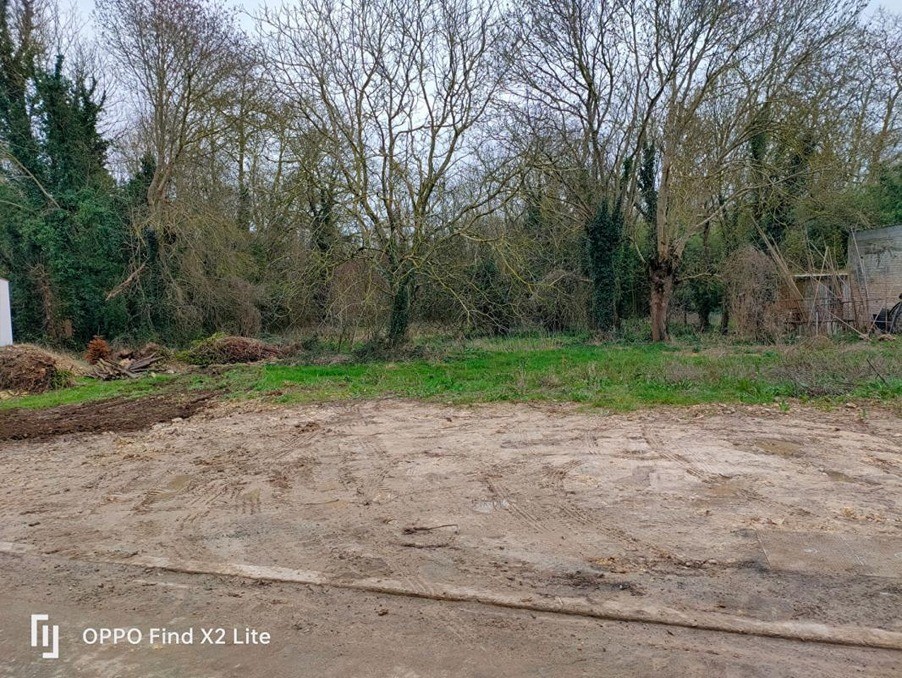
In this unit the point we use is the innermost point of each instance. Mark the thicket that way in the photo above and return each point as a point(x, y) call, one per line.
point(243, 203)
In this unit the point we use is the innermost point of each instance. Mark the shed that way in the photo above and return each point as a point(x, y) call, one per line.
point(824, 306)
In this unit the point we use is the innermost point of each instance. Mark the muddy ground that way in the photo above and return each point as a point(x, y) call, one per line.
point(708, 514)
point(118, 414)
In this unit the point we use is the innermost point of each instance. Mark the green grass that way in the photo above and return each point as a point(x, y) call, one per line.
point(613, 377)
point(616, 378)
point(86, 390)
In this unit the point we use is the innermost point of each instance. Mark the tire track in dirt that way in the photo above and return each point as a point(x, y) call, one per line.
point(222, 485)
point(363, 467)
point(884, 465)
point(553, 476)
point(288, 465)
point(559, 519)
point(364, 464)
point(570, 511)
point(686, 459)
point(565, 516)
point(304, 437)
point(590, 446)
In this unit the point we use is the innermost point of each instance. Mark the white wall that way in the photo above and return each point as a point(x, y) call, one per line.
point(6, 322)
point(875, 261)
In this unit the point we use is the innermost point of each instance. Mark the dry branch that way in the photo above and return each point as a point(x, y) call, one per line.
point(118, 289)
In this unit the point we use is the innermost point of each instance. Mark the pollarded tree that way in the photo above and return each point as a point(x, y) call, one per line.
point(401, 90)
point(717, 62)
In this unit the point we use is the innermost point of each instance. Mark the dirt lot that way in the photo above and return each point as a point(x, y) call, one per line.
point(405, 539)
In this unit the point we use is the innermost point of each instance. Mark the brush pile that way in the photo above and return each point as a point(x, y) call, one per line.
point(228, 350)
point(29, 369)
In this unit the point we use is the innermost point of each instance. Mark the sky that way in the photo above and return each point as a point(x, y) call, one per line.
point(118, 101)
point(85, 7)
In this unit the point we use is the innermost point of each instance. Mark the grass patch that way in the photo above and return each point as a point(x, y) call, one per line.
point(611, 376)
point(86, 390)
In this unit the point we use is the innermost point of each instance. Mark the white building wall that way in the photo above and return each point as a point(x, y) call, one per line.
point(875, 262)
point(6, 320)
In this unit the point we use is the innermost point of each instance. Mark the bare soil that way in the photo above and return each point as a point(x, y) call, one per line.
point(717, 512)
point(117, 414)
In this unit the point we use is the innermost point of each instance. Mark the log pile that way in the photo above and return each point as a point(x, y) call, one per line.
point(124, 369)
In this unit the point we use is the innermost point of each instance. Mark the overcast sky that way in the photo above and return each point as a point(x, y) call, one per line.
point(118, 102)
point(85, 7)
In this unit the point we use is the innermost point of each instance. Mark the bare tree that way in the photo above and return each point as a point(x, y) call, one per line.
point(883, 88)
point(575, 119)
point(401, 92)
point(190, 75)
point(177, 58)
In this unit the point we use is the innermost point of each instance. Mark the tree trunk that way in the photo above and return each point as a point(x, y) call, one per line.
point(399, 320)
point(661, 278)
point(661, 267)
point(705, 298)
point(324, 240)
point(704, 317)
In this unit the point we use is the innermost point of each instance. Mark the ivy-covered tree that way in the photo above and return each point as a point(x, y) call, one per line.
point(603, 238)
point(62, 229)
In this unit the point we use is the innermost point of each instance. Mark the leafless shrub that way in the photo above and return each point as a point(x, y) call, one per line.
point(752, 283)
point(355, 304)
point(560, 301)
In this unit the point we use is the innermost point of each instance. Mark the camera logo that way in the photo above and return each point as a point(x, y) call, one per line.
point(49, 637)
